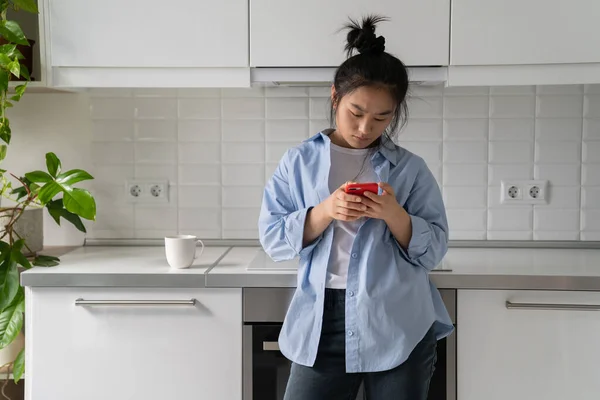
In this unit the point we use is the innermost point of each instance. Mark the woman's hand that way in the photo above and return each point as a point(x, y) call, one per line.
point(343, 206)
point(382, 206)
point(386, 207)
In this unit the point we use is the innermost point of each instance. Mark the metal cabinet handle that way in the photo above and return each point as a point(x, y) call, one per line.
point(551, 306)
point(82, 302)
point(270, 346)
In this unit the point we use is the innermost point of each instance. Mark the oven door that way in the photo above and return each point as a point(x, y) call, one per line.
point(266, 370)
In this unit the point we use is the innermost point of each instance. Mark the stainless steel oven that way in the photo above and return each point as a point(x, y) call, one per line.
point(266, 370)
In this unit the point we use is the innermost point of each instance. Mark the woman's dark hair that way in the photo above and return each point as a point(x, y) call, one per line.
point(372, 66)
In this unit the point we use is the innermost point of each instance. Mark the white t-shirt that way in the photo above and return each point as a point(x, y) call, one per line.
point(346, 165)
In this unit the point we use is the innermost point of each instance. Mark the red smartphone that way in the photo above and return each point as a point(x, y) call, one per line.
point(360, 188)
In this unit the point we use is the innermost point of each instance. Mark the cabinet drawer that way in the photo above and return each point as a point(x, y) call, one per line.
point(527, 344)
point(136, 339)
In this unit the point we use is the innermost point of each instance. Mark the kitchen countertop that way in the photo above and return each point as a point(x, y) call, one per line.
point(122, 266)
point(222, 266)
point(462, 268)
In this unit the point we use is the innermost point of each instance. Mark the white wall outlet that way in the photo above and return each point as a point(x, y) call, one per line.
point(147, 191)
point(524, 192)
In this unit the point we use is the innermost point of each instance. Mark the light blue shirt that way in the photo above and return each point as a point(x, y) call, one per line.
point(390, 300)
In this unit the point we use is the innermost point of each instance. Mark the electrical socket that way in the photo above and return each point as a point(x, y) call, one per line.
point(147, 191)
point(524, 192)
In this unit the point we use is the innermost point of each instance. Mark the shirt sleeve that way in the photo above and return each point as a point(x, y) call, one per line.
point(281, 222)
point(429, 241)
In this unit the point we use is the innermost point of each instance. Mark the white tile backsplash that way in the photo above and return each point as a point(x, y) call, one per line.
point(591, 152)
point(512, 106)
point(218, 147)
point(156, 131)
point(206, 130)
point(559, 106)
point(511, 152)
point(288, 108)
point(466, 107)
point(155, 108)
point(466, 129)
point(512, 129)
point(200, 153)
point(243, 108)
point(591, 129)
point(200, 108)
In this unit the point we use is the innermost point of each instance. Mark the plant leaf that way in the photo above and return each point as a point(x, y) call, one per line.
point(39, 177)
point(80, 202)
point(9, 278)
point(56, 210)
point(3, 149)
point(25, 72)
point(19, 366)
point(27, 5)
point(5, 131)
point(20, 89)
point(20, 192)
point(47, 192)
point(4, 76)
point(11, 319)
point(11, 31)
point(46, 261)
point(18, 256)
point(52, 161)
point(9, 49)
point(74, 219)
point(15, 68)
point(5, 60)
point(73, 176)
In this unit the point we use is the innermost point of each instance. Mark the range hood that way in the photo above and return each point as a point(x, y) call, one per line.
point(291, 76)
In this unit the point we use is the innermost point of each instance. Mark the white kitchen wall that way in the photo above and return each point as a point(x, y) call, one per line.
point(218, 147)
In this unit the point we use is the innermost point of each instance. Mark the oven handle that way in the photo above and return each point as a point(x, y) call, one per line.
point(270, 346)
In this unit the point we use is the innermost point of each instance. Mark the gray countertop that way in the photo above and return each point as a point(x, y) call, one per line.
point(462, 268)
point(514, 268)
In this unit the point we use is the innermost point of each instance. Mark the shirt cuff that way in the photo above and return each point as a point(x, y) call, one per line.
point(294, 232)
point(419, 241)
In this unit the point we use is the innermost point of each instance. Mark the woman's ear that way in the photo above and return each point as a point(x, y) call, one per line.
point(333, 98)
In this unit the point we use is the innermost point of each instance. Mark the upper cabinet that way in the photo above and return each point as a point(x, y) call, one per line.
point(516, 32)
point(178, 36)
point(292, 33)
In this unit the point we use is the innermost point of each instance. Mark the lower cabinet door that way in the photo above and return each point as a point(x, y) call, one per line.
point(523, 345)
point(133, 343)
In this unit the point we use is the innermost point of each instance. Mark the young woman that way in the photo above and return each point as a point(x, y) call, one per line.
point(364, 309)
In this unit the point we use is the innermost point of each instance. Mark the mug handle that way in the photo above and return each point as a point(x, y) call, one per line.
point(196, 255)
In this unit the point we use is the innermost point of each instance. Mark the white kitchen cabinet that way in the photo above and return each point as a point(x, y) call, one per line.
point(546, 347)
point(518, 32)
point(131, 352)
point(149, 33)
point(148, 43)
point(291, 33)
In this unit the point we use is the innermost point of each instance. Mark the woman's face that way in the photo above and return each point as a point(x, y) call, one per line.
point(362, 116)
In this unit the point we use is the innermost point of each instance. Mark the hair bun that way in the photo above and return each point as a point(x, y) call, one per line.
point(362, 36)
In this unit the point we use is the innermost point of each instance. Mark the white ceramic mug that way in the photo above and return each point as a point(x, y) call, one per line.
point(181, 250)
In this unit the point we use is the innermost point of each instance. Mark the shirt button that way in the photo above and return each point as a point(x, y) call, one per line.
point(354, 255)
point(350, 333)
point(351, 293)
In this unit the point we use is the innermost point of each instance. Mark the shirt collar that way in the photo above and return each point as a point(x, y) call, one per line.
point(389, 150)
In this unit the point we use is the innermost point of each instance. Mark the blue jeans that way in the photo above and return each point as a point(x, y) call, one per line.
point(328, 380)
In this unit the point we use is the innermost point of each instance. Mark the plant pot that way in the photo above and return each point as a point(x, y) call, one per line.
point(27, 52)
point(30, 227)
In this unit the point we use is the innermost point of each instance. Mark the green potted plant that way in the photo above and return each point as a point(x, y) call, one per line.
point(53, 189)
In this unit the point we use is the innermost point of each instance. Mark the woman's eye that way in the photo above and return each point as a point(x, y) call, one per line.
point(380, 120)
point(356, 115)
